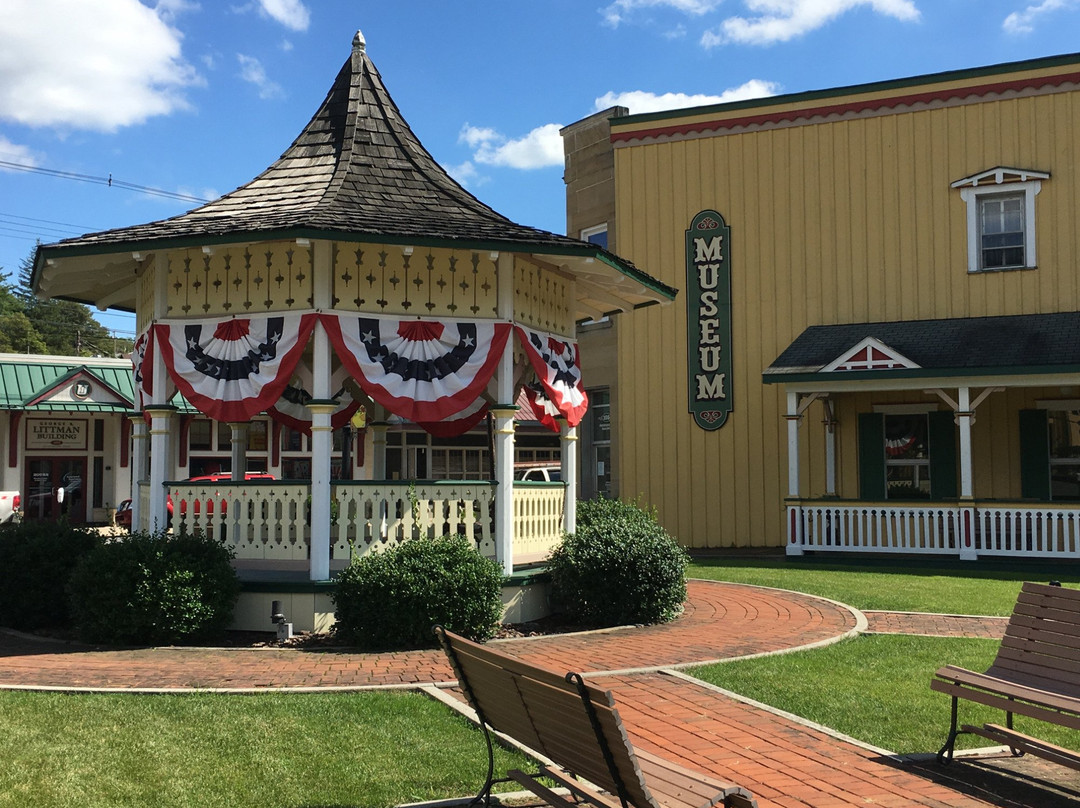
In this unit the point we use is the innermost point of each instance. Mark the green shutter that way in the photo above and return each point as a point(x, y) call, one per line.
point(941, 430)
point(1034, 455)
point(871, 456)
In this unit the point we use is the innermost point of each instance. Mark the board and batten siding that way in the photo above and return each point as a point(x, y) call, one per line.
point(838, 221)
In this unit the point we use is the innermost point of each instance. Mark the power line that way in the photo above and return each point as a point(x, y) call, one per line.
point(108, 181)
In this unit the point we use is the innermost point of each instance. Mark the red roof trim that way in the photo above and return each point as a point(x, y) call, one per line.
point(865, 105)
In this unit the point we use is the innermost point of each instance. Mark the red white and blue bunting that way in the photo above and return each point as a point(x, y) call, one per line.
point(292, 410)
point(558, 367)
point(233, 369)
point(422, 370)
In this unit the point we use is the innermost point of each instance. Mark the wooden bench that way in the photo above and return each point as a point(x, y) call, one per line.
point(1036, 673)
point(577, 728)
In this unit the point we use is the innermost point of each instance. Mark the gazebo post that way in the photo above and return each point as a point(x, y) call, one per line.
point(322, 444)
point(569, 439)
point(138, 467)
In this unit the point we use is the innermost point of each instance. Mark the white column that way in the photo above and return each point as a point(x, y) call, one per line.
point(830, 447)
point(139, 456)
point(161, 416)
point(792, 417)
point(239, 445)
point(964, 419)
point(569, 437)
point(322, 445)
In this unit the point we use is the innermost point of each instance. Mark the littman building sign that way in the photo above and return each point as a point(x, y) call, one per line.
point(708, 319)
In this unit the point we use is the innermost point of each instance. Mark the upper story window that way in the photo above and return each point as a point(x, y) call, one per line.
point(1001, 217)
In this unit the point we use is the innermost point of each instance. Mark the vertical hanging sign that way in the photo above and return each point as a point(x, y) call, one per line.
point(708, 319)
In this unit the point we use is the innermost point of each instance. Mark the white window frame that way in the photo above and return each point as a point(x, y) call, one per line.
point(1000, 181)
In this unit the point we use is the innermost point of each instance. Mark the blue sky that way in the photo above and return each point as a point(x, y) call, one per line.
point(196, 97)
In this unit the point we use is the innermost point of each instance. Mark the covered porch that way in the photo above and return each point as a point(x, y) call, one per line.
point(952, 437)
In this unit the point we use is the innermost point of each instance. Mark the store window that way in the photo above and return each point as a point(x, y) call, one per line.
point(907, 454)
point(1001, 218)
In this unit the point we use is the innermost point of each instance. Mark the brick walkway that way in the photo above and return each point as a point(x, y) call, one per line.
point(784, 762)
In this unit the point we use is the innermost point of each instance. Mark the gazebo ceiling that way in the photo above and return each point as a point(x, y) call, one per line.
point(355, 173)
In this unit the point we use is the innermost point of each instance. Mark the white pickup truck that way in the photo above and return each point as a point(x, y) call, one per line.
point(9, 506)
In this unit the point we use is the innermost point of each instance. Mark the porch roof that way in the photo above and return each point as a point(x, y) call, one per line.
point(355, 173)
point(1026, 345)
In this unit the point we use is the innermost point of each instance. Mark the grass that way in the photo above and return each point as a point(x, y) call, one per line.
point(902, 585)
point(875, 688)
point(200, 751)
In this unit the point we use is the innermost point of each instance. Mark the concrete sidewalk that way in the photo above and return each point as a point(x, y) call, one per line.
point(784, 761)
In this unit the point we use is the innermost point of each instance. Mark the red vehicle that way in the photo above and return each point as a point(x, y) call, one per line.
point(215, 478)
point(123, 515)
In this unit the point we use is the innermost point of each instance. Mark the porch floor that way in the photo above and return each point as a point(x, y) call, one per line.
point(785, 762)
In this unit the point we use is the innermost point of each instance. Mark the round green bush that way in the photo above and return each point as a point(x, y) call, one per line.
point(620, 567)
point(154, 589)
point(391, 599)
point(36, 560)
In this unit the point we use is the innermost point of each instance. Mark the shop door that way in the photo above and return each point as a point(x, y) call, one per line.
point(54, 488)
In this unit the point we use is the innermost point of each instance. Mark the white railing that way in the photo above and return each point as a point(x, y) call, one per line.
point(372, 516)
point(1026, 532)
point(967, 531)
point(538, 520)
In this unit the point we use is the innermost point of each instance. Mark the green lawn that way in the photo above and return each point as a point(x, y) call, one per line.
point(947, 587)
point(875, 688)
point(200, 751)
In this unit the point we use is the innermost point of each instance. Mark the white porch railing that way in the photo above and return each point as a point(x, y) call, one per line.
point(967, 531)
point(538, 520)
point(270, 520)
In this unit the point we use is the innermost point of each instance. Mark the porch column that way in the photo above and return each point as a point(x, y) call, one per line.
point(378, 446)
point(569, 439)
point(504, 488)
point(322, 445)
point(792, 416)
point(830, 447)
point(160, 463)
point(503, 413)
point(139, 453)
point(239, 445)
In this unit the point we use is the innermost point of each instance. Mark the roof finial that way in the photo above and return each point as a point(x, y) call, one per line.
point(359, 43)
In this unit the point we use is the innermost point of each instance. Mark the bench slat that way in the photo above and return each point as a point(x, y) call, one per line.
point(1026, 743)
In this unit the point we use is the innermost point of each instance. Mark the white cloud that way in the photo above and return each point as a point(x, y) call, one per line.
point(620, 9)
point(252, 71)
point(639, 101)
point(16, 153)
point(97, 66)
point(540, 148)
point(293, 14)
point(1023, 22)
point(783, 20)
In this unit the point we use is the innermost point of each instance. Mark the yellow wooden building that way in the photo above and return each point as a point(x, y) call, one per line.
point(876, 345)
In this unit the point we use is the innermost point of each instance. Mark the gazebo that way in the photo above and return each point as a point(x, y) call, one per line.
point(352, 270)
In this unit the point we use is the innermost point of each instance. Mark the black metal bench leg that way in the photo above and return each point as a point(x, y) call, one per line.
point(945, 754)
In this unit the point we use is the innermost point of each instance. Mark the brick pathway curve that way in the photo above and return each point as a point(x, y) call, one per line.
point(785, 763)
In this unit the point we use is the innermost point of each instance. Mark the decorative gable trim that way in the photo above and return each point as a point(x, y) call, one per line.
point(1000, 175)
point(870, 354)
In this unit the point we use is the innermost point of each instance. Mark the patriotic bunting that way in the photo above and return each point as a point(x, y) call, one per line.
point(292, 411)
point(558, 367)
point(542, 407)
point(233, 369)
point(422, 370)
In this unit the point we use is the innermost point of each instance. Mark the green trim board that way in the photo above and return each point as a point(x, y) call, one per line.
point(1004, 68)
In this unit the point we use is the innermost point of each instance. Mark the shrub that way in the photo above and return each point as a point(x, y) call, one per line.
point(391, 600)
point(154, 589)
point(620, 567)
point(36, 560)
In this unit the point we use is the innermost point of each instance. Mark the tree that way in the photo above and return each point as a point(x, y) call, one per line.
point(63, 327)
